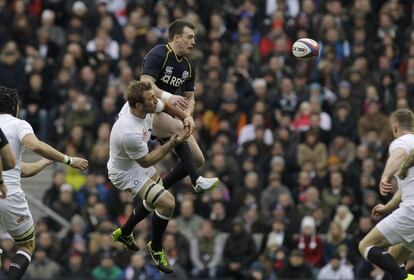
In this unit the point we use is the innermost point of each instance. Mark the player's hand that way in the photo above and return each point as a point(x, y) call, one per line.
point(3, 191)
point(385, 186)
point(179, 101)
point(179, 137)
point(189, 124)
point(378, 211)
point(79, 163)
point(402, 171)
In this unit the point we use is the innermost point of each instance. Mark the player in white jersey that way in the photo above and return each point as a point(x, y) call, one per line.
point(130, 168)
point(15, 216)
point(398, 227)
point(7, 161)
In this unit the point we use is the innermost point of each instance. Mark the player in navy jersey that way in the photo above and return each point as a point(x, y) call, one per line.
point(170, 71)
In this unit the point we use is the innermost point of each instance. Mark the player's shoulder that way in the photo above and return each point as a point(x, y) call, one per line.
point(16, 123)
point(161, 49)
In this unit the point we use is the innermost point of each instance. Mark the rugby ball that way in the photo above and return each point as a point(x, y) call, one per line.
point(305, 49)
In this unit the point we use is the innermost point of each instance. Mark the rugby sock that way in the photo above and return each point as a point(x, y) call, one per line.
point(184, 153)
point(387, 275)
point(387, 263)
point(177, 173)
point(159, 224)
point(138, 214)
point(19, 265)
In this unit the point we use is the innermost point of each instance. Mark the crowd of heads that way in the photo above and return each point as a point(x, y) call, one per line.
point(299, 146)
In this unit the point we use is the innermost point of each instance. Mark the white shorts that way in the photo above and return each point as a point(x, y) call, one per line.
point(133, 179)
point(15, 217)
point(398, 227)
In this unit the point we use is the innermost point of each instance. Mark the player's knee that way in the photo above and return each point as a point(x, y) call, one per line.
point(167, 204)
point(362, 246)
point(27, 246)
point(199, 160)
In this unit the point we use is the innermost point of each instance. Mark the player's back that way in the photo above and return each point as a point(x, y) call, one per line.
point(15, 130)
point(405, 142)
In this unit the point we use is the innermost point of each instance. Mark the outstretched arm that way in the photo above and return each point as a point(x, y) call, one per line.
point(41, 148)
point(31, 169)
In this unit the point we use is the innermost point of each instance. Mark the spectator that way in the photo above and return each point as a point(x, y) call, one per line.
point(297, 268)
point(239, 251)
point(42, 267)
point(140, 269)
point(335, 269)
point(107, 270)
point(65, 205)
point(76, 267)
point(206, 252)
point(188, 223)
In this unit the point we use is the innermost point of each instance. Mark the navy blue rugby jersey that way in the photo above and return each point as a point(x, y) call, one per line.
point(169, 71)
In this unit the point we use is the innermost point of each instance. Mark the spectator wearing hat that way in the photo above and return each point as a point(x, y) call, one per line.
point(296, 268)
point(239, 251)
point(309, 242)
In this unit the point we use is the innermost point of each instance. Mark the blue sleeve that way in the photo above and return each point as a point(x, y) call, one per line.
point(153, 62)
point(189, 84)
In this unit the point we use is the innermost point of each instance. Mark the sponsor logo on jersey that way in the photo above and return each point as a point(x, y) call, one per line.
point(185, 75)
point(20, 220)
point(172, 80)
point(169, 69)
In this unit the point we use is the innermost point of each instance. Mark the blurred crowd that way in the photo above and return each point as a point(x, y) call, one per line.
point(299, 146)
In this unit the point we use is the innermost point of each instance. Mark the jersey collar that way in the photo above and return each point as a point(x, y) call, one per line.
point(171, 50)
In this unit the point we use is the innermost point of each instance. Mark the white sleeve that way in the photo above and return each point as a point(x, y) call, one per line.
point(135, 145)
point(399, 143)
point(23, 129)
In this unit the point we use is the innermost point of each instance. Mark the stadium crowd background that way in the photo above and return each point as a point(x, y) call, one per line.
point(299, 146)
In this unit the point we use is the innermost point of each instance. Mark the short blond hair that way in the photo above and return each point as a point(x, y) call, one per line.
point(135, 90)
point(404, 118)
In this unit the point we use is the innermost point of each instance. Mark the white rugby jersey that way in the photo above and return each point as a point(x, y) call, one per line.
point(15, 130)
point(406, 186)
point(128, 141)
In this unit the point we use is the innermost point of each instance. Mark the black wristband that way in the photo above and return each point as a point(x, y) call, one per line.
point(3, 139)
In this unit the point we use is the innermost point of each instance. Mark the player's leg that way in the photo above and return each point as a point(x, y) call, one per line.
point(188, 152)
point(164, 126)
point(164, 204)
point(141, 211)
point(373, 248)
point(400, 253)
point(16, 218)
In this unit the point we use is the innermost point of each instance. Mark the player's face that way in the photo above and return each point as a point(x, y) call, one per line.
point(186, 41)
point(150, 101)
